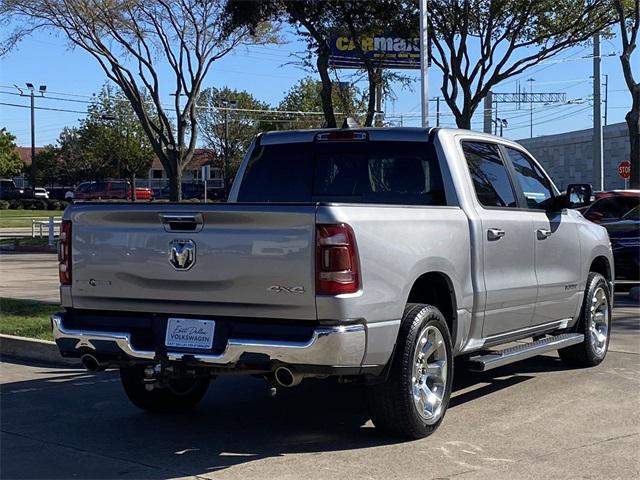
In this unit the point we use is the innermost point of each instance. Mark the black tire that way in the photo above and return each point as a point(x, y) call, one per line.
point(391, 404)
point(586, 354)
point(182, 395)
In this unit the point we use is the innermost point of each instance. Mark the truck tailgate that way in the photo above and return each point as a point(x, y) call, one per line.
point(249, 260)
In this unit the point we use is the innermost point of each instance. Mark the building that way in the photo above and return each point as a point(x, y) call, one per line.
point(568, 157)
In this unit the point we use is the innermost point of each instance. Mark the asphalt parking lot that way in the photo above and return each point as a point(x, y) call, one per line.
point(534, 419)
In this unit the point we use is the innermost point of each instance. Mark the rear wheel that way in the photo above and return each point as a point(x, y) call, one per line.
point(594, 323)
point(178, 395)
point(413, 400)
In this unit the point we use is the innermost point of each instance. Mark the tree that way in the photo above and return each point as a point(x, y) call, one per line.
point(510, 36)
point(229, 119)
point(113, 137)
point(628, 16)
point(132, 41)
point(306, 96)
point(10, 162)
point(316, 21)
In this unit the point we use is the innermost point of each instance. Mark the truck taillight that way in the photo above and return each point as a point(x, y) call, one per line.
point(337, 265)
point(64, 253)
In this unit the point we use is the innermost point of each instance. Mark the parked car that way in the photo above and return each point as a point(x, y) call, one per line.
point(374, 255)
point(78, 191)
point(624, 234)
point(36, 192)
point(58, 193)
point(612, 205)
point(112, 190)
point(9, 190)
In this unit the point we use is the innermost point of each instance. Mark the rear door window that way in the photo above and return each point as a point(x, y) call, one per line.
point(489, 175)
point(347, 172)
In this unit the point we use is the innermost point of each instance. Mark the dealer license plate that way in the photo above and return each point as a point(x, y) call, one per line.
point(190, 333)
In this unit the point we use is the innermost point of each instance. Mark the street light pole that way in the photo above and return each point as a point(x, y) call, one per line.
point(32, 90)
point(424, 62)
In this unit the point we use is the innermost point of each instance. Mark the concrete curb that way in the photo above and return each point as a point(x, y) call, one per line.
point(34, 350)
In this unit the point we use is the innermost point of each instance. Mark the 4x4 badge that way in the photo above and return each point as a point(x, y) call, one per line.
point(182, 254)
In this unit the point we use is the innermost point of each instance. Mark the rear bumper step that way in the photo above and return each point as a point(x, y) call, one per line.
point(495, 359)
point(339, 346)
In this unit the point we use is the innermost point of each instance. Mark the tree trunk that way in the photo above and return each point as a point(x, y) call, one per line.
point(325, 93)
point(175, 184)
point(463, 120)
point(133, 187)
point(373, 78)
point(633, 123)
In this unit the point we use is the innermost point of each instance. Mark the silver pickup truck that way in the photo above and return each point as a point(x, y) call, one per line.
point(375, 255)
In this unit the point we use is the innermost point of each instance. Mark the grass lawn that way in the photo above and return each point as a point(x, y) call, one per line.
point(22, 218)
point(26, 318)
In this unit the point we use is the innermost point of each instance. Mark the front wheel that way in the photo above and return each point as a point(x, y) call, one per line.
point(413, 400)
point(179, 395)
point(594, 323)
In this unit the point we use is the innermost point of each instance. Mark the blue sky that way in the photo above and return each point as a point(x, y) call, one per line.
point(72, 75)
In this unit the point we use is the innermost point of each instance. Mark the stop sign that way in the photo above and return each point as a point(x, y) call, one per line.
point(624, 169)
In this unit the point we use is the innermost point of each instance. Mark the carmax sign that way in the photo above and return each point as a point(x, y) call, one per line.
point(386, 51)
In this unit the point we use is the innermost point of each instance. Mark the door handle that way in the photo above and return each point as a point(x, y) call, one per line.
point(543, 233)
point(495, 233)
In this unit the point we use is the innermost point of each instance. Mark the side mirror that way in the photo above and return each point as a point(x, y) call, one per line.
point(578, 195)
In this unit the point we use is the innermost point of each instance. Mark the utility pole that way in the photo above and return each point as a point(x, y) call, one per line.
point(42, 89)
point(488, 113)
point(598, 167)
point(531, 80)
point(424, 62)
point(437, 111)
point(606, 97)
point(226, 104)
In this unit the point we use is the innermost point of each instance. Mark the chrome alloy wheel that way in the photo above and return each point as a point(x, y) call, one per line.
point(599, 321)
point(429, 374)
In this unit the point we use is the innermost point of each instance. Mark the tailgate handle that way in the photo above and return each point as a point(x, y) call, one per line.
point(182, 222)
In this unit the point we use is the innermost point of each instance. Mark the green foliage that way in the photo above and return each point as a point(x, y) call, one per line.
point(10, 162)
point(34, 204)
point(304, 96)
point(243, 122)
point(110, 143)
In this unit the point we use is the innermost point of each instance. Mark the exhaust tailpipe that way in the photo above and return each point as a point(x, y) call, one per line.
point(286, 378)
point(92, 364)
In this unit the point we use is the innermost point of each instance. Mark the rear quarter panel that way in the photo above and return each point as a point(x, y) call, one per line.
point(396, 245)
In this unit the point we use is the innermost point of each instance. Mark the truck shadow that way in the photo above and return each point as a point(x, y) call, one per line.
point(238, 422)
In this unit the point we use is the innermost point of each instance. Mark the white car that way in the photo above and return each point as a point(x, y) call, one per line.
point(40, 192)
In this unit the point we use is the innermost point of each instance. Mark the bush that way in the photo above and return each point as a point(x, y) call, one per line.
point(40, 204)
point(34, 204)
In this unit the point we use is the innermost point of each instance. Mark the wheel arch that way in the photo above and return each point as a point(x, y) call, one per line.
point(601, 265)
point(436, 288)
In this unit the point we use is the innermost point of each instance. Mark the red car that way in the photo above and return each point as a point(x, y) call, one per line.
point(112, 190)
point(612, 205)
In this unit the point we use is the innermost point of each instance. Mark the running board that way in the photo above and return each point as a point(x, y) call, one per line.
point(495, 359)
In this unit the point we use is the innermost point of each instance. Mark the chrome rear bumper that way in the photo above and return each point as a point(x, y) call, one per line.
point(341, 346)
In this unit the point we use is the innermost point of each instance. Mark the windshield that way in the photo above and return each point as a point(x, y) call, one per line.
point(348, 172)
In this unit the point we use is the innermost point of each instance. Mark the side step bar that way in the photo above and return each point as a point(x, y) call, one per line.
point(494, 359)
